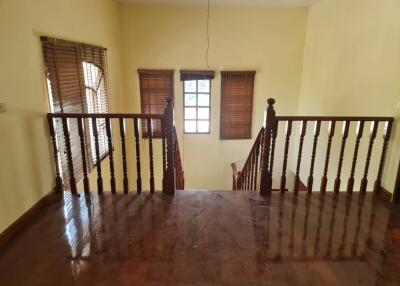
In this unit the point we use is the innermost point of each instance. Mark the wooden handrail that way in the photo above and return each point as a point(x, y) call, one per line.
point(334, 118)
point(105, 115)
point(179, 173)
point(268, 151)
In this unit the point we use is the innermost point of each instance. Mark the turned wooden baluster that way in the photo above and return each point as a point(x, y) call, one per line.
point(386, 138)
point(83, 155)
point(285, 155)
point(164, 161)
point(346, 126)
point(350, 182)
point(274, 135)
point(250, 182)
point(169, 185)
point(59, 184)
point(266, 176)
point(256, 163)
point(150, 133)
point(251, 170)
point(299, 155)
point(137, 146)
point(123, 147)
point(98, 162)
point(324, 180)
point(310, 180)
point(69, 155)
point(246, 177)
point(373, 131)
point(111, 155)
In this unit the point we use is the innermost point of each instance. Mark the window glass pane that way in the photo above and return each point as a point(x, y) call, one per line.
point(190, 126)
point(203, 113)
point(190, 113)
point(204, 86)
point(190, 86)
point(203, 126)
point(204, 99)
point(190, 99)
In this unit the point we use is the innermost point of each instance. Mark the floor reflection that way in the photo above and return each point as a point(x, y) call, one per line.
point(209, 238)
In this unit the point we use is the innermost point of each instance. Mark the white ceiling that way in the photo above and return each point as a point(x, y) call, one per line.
point(230, 2)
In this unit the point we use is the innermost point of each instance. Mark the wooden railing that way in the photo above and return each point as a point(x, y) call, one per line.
point(179, 173)
point(170, 149)
point(247, 180)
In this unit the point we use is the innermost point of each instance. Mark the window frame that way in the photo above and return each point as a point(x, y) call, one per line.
point(101, 81)
point(197, 106)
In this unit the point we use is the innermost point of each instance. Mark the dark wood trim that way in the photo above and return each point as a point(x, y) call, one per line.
point(69, 43)
point(24, 221)
point(302, 187)
point(154, 71)
point(238, 72)
point(385, 195)
point(105, 115)
point(333, 118)
point(196, 74)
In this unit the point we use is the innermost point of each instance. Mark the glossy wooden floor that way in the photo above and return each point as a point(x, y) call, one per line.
point(208, 238)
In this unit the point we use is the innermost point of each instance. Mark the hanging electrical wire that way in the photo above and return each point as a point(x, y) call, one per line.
point(208, 33)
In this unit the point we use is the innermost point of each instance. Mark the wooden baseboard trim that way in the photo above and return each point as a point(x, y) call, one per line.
point(24, 221)
point(385, 195)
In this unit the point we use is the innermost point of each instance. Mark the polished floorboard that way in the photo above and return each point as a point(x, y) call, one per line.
point(208, 238)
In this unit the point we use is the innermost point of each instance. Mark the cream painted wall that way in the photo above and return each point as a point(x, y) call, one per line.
point(352, 67)
point(268, 40)
point(26, 162)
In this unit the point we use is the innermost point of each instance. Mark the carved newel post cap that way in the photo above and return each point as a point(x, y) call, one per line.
point(169, 99)
point(271, 101)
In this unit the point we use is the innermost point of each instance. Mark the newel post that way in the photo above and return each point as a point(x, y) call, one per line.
point(266, 176)
point(169, 184)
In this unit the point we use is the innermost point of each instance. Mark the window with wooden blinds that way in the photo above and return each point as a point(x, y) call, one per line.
point(237, 89)
point(155, 86)
point(76, 76)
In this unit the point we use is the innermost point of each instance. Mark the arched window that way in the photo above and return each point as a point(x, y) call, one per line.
point(96, 102)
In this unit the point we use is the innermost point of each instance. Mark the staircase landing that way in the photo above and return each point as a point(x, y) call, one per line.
point(208, 238)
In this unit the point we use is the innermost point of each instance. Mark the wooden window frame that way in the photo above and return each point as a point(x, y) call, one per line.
point(197, 106)
point(197, 75)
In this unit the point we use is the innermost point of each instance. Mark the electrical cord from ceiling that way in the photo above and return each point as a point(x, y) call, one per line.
point(208, 33)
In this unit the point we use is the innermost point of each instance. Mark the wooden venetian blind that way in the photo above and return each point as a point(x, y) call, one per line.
point(155, 86)
point(237, 89)
point(76, 77)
